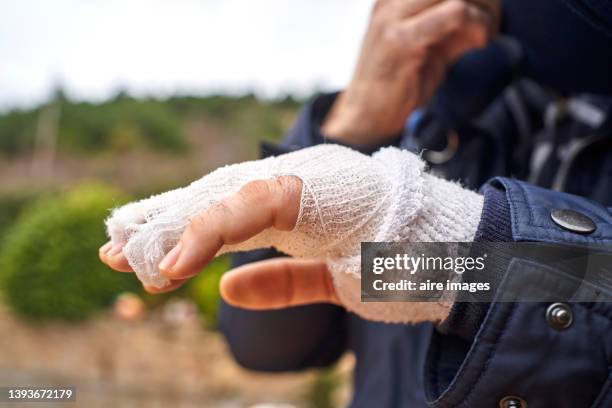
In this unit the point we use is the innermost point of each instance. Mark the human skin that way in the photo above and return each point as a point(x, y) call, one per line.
point(406, 51)
point(407, 48)
point(277, 283)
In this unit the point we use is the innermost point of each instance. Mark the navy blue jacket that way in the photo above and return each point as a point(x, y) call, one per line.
point(483, 352)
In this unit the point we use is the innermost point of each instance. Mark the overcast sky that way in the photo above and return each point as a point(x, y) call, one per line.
point(95, 47)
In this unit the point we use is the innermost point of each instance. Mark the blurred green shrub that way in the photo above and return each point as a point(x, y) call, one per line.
point(17, 129)
point(204, 290)
point(120, 124)
point(86, 127)
point(11, 205)
point(125, 123)
point(49, 267)
point(248, 117)
point(321, 391)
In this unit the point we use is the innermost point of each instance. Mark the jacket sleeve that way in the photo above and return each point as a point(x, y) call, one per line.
point(490, 351)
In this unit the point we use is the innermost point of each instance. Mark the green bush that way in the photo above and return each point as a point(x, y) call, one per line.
point(11, 205)
point(49, 267)
point(17, 129)
point(322, 390)
point(120, 124)
point(126, 123)
point(204, 290)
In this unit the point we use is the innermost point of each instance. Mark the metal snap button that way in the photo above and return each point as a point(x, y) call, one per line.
point(573, 221)
point(559, 316)
point(512, 402)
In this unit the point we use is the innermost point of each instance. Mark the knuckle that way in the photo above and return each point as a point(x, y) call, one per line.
point(290, 186)
point(417, 41)
point(480, 38)
point(286, 203)
point(480, 33)
point(419, 52)
point(256, 191)
point(393, 35)
point(199, 223)
point(383, 12)
point(459, 10)
point(207, 225)
point(380, 6)
point(219, 211)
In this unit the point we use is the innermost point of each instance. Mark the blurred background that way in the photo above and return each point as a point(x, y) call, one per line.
point(106, 101)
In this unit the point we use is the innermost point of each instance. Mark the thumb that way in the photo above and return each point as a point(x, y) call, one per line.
point(278, 283)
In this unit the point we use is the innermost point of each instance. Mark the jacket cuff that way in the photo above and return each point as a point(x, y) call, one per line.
point(465, 318)
point(517, 338)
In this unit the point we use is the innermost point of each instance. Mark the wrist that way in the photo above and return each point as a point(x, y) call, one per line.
point(426, 208)
point(451, 213)
point(362, 124)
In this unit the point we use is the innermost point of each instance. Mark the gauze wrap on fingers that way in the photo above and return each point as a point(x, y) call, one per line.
point(347, 198)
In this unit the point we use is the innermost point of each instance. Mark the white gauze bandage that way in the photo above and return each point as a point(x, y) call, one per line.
point(347, 197)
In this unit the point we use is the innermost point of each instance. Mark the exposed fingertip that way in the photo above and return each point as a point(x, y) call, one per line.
point(166, 265)
point(155, 290)
point(104, 248)
point(172, 285)
point(116, 249)
point(150, 289)
point(227, 288)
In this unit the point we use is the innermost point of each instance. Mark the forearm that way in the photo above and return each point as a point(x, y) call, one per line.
point(311, 128)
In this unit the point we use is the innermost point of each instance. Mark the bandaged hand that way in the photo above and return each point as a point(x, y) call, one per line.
point(317, 204)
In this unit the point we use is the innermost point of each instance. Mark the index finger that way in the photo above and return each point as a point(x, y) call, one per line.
point(257, 206)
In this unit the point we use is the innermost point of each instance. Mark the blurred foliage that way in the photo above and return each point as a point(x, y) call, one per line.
point(125, 123)
point(48, 263)
point(117, 125)
point(11, 205)
point(75, 219)
point(204, 290)
point(245, 114)
point(49, 255)
point(322, 390)
point(17, 130)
